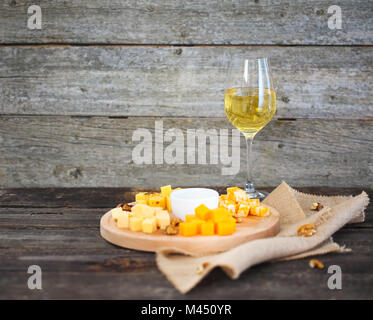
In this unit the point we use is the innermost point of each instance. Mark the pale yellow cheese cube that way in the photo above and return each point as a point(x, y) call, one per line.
point(135, 224)
point(143, 211)
point(115, 213)
point(163, 219)
point(149, 225)
point(123, 220)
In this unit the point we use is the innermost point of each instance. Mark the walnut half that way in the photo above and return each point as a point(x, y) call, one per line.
point(316, 206)
point(307, 230)
point(314, 263)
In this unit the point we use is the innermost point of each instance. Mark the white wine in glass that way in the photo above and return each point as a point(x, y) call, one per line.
point(250, 103)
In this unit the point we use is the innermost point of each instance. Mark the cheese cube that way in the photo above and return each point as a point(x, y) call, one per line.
point(141, 202)
point(243, 210)
point(143, 211)
point(156, 200)
point(163, 219)
point(227, 227)
point(166, 190)
point(141, 196)
point(115, 213)
point(168, 204)
point(228, 205)
point(253, 202)
point(207, 228)
point(190, 217)
point(202, 212)
point(219, 214)
point(135, 224)
point(123, 220)
point(260, 211)
point(149, 225)
point(236, 194)
point(188, 229)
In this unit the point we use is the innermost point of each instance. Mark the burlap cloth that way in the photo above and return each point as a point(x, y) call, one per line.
point(185, 269)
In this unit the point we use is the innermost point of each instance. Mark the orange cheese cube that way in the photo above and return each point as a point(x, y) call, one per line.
point(199, 224)
point(207, 228)
point(219, 214)
point(202, 212)
point(260, 211)
point(225, 228)
point(190, 217)
point(188, 229)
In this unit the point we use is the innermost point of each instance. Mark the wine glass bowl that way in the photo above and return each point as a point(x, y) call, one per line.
point(250, 103)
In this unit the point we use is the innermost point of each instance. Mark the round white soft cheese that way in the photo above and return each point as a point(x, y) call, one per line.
point(184, 201)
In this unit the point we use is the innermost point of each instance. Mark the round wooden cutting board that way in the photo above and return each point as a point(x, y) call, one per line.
point(251, 228)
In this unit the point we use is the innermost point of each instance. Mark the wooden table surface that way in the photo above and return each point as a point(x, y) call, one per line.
point(58, 229)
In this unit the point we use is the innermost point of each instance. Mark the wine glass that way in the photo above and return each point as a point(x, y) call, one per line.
point(250, 103)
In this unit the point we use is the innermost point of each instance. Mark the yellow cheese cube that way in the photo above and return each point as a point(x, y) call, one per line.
point(123, 220)
point(135, 224)
point(115, 213)
point(168, 204)
point(143, 211)
point(156, 200)
point(141, 202)
point(163, 219)
point(149, 225)
point(166, 190)
point(141, 197)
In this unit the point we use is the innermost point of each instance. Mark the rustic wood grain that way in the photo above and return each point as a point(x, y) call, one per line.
point(97, 151)
point(187, 22)
point(77, 263)
point(311, 82)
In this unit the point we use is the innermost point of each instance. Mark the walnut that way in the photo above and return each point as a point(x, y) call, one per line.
point(316, 206)
point(175, 222)
point(127, 207)
point(120, 205)
point(314, 263)
point(307, 230)
point(171, 230)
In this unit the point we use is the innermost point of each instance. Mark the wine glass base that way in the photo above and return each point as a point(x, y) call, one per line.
point(256, 194)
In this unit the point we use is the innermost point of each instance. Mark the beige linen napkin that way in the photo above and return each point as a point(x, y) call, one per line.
point(185, 269)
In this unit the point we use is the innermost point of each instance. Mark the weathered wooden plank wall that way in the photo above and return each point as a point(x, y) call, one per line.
point(72, 93)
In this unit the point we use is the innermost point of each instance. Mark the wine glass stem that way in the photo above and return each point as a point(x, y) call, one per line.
point(249, 187)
